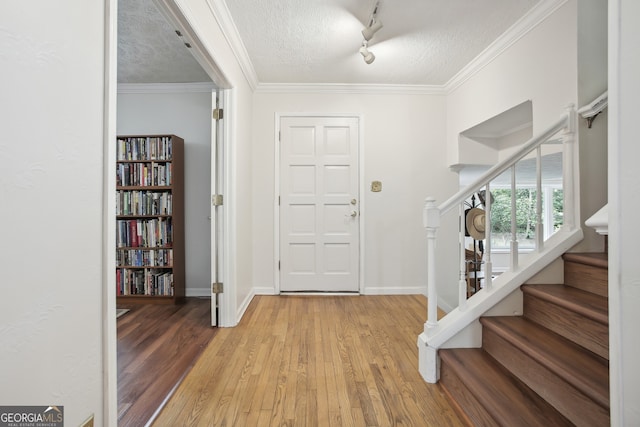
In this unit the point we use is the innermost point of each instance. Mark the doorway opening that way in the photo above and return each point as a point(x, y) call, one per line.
point(201, 91)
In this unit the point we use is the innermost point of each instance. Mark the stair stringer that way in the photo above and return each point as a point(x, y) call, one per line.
point(459, 328)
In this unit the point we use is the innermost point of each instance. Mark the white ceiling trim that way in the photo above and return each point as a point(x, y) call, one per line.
point(166, 87)
point(222, 15)
point(350, 88)
point(528, 22)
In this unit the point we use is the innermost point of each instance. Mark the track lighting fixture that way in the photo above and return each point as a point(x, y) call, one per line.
point(373, 27)
point(369, 57)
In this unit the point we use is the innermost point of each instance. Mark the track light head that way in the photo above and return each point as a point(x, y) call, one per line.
point(369, 57)
point(368, 32)
point(373, 28)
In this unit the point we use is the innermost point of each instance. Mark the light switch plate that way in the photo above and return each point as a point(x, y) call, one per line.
point(376, 186)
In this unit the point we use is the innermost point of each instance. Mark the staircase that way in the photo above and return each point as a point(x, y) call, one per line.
point(548, 367)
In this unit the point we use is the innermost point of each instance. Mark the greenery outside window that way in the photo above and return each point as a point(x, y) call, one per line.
point(552, 213)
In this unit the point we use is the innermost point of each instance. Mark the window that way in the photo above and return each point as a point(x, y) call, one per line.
point(552, 213)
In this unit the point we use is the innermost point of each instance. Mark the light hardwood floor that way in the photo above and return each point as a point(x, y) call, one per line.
point(314, 361)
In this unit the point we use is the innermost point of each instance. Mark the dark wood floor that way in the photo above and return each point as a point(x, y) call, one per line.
point(157, 346)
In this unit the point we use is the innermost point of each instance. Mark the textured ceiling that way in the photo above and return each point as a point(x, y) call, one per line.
point(149, 50)
point(316, 41)
point(423, 42)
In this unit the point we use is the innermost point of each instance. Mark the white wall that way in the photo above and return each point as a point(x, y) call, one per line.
point(624, 203)
point(592, 82)
point(403, 143)
point(562, 61)
point(51, 208)
point(477, 151)
point(540, 67)
point(187, 115)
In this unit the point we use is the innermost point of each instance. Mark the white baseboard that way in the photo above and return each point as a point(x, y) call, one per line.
point(264, 290)
point(368, 290)
point(444, 306)
point(245, 304)
point(198, 292)
point(321, 294)
point(387, 290)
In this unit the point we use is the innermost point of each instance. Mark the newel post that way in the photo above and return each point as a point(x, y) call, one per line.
point(431, 221)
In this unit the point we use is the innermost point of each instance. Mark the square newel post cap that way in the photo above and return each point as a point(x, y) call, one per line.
point(431, 214)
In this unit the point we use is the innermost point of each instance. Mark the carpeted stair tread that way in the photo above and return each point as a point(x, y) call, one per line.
point(584, 370)
point(493, 396)
point(592, 306)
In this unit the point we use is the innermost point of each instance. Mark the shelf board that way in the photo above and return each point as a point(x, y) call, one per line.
point(143, 216)
point(145, 187)
point(144, 248)
point(130, 267)
point(145, 161)
point(155, 299)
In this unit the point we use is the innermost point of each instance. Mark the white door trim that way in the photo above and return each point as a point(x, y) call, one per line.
point(276, 205)
point(216, 212)
point(228, 315)
point(109, 328)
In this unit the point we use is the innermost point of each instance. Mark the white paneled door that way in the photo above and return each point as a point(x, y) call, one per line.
point(319, 204)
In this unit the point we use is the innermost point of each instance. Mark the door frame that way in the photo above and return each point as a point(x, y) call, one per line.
point(276, 192)
point(228, 316)
point(175, 16)
point(227, 313)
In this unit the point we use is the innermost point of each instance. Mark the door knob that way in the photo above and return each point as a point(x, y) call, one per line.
point(354, 214)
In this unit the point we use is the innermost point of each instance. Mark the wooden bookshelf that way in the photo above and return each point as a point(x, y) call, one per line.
point(150, 219)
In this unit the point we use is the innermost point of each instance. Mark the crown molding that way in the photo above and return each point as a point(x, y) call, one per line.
point(349, 88)
point(166, 87)
point(222, 15)
point(518, 30)
point(524, 25)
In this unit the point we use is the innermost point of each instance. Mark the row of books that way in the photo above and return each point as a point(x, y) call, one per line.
point(144, 282)
point(144, 148)
point(143, 202)
point(143, 232)
point(144, 257)
point(143, 174)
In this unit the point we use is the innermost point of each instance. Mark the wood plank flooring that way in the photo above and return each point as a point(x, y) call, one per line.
point(157, 345)
point(314, 361)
